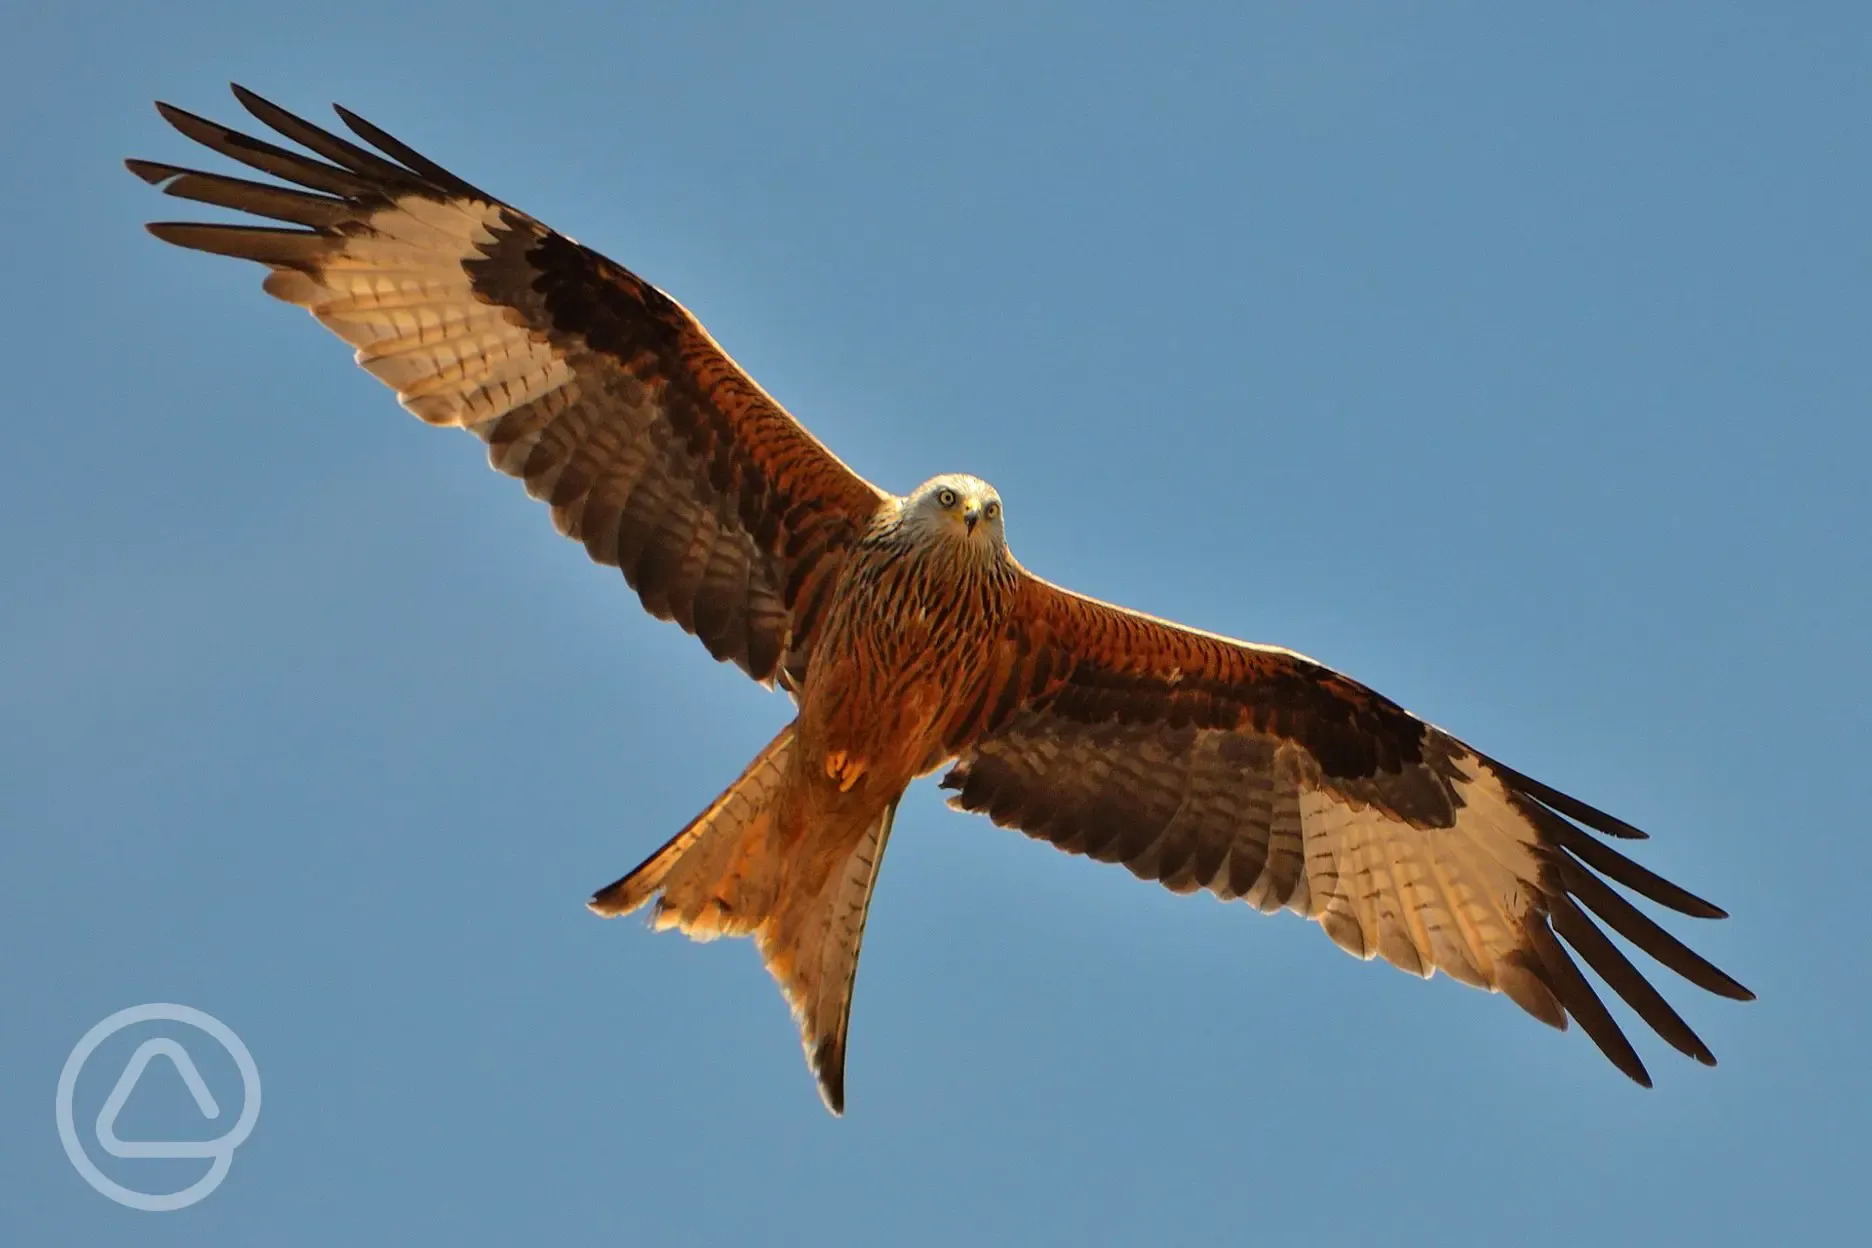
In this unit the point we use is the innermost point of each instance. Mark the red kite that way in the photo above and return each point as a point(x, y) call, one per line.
point(912, 640)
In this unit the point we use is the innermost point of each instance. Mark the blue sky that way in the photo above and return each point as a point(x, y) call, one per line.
point(1513, 362)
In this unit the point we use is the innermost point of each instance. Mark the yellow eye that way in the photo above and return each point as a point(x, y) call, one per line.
point(992, 510)
point(946, 497)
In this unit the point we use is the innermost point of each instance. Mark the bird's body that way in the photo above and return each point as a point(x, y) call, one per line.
point(911, 626)
point(913, 622)
point(911, 639)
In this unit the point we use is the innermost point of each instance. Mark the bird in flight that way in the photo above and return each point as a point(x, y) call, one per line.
point(911, 640)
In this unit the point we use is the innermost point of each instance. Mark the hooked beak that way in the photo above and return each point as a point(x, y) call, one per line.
point(971, 515)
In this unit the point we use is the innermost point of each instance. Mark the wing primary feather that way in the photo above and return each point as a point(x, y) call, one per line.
point(1571, 807)
point(1609, 862)
point(292, 248)
point(1636, 926)
point(324, 143)
point(1520, 976)
point(264, 156)
point(1617, 971)
point(330, 146)
point(396, 149)
point(1577, 995)
point(278, 202)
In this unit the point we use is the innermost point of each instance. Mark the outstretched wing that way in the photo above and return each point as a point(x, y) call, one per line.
point(1254, 772)
point(599, 391)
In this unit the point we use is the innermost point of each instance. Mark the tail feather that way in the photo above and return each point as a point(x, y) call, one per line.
point(755, 865)
point(811, 948)
point(705, 872)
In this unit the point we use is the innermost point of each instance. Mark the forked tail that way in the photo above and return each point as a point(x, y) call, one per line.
point(802, 892)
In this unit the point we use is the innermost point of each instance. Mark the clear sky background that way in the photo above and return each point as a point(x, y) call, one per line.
point(1513, 361)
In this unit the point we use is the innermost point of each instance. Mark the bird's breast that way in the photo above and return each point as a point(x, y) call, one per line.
point(904, 642)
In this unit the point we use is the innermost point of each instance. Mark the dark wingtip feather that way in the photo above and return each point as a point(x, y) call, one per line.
point(1642, 880)
point(1571, 807)
point(151, 172)
point(339, 151)
point(408, 156)
point(266, 157)
point(1643, 931)
point(1595, 853)
point(1625, 979)
point(177, 117)
point(261, 199)
point(1577, 995)
point(285, 248)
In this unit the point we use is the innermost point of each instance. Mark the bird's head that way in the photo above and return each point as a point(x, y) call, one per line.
point(956, 507)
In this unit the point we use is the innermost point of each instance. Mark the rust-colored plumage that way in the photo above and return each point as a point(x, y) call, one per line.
point(912, 640)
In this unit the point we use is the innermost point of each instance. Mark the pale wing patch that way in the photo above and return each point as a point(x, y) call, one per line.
point(398, 291)
point(1424, 899)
